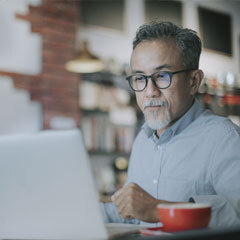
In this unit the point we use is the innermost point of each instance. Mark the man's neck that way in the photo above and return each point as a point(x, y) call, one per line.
point(160, 131)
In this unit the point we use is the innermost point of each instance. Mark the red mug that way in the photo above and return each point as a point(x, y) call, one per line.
point(181, 217)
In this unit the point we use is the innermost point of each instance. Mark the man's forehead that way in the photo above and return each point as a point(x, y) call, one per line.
point(154, 68)
point(155, 55)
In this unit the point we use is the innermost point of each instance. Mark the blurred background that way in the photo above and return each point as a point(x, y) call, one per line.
point(63, 64)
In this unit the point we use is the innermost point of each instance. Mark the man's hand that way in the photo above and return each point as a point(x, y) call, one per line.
point(133, 202)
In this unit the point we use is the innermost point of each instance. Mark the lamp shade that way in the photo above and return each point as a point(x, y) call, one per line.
point(85, 62)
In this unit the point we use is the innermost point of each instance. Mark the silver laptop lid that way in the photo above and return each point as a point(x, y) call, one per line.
point(46, 188)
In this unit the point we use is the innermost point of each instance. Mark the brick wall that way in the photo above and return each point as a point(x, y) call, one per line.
point(55, 88)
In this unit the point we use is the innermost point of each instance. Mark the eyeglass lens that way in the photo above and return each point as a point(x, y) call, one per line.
point(161, 79)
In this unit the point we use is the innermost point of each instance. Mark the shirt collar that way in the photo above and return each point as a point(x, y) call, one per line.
point(193, 113)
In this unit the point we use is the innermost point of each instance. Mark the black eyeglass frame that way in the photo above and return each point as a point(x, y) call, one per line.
point(146, 77)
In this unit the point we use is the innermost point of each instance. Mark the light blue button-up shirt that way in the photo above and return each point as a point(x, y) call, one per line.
point(197, 157)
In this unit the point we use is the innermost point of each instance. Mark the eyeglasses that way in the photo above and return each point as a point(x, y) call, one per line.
point(161, 80)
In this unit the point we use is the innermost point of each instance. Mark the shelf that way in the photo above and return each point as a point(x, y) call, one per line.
point(103, 131)
point(103, 153)
point(107, 79)
point(94, 111)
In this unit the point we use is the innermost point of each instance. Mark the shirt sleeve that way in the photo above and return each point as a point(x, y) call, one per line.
point(109, 210)
point(225, 178)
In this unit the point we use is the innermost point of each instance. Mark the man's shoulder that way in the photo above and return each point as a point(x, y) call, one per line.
point(143, 136)
point(211, 123)
point(142, 133)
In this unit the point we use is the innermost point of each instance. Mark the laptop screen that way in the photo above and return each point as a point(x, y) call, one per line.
point(46, 187)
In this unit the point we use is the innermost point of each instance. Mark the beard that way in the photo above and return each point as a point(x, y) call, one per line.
point(159, 118)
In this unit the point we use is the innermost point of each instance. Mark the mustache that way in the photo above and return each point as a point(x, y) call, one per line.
point(154, 102)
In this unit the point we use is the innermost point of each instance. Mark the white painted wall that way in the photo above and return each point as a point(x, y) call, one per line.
point(18, 113)
point(211, 62)
point(106, 43)
point(20, 51)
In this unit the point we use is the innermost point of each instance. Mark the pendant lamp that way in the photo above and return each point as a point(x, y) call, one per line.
point(85, 62)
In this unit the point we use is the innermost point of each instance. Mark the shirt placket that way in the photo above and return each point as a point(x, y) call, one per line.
point(158, 157)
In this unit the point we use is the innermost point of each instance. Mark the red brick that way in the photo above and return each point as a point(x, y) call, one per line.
point(56, 24)
point(55, 88)
point(54, 34)
point(54, 68)
point(60, 105)
point(51, 45)
point(55, 57)
point(59, 9)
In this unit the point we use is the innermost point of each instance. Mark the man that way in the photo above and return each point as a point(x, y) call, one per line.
point(183, 153)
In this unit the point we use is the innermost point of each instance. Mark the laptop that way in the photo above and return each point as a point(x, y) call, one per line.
point(47, 189)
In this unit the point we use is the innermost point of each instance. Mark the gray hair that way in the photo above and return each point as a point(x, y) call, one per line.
point(186, 39)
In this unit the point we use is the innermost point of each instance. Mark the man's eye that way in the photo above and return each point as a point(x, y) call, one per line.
point(162, 76)
point(139, 78)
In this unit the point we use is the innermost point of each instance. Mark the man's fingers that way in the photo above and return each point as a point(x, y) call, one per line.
point(124, 212)
point(117, 194)
point(129, 189)
point(124, 200)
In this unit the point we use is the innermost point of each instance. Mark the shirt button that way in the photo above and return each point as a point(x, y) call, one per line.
point(159, 147)
point(155, 181)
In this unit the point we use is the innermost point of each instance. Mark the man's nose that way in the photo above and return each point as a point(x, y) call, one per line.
point(151, 90)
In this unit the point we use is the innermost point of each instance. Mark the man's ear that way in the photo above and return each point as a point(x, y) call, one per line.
point(195, 81)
